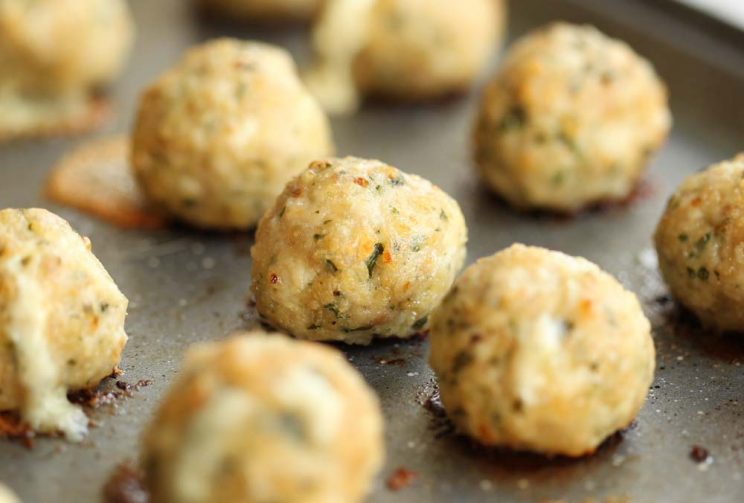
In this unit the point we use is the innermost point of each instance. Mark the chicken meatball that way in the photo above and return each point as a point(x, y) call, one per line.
point(54, 54)
point(536, 350)
point(260, 417)
point(264, 10)
point(61, 320)
point(570, 120)
point(401, 49)
point(354, 249)
point(218, 136)
point(700, 245)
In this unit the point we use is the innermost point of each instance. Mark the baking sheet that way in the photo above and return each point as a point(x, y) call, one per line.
point(187, 286)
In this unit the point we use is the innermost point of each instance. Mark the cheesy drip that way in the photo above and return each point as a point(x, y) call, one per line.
point(339, 36)
point(45, 405)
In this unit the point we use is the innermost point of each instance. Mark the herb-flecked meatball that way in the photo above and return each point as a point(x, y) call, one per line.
point(265, 10)
point(700, 245)
point(61, 320)
point(262, 418)
point(401, 49)
point(218, 136)
point(54, 54)
point(536, 350)
point(570, 120)
point(354, 249)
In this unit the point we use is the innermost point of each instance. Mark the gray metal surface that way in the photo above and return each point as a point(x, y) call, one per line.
point(187, 286)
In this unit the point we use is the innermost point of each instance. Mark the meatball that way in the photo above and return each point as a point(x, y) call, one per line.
point(54, 53)
point(264, 10)
point(536, 350)
point(700, 245)
point(570, 120)
point(401, 49)
point(260, 417)
point(61, 320)
point(354, 249)
point(218, 136)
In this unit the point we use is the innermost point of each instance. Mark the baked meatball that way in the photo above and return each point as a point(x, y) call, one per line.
point(264, 10)
point(570, 120)
point(61, 320)
point(259, 418)
point(218, 136)
point(700, 245)
point(54, 53)
point(536, 350)
point(401, 49)
point(354, 249)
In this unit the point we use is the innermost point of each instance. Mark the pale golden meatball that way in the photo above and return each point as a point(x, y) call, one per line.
point(700, 244)
point(262, 418)
point(570, 120)
point(402, 49)
point(61, 320)
point(355, 249)
point(54, 54)
point(218, 136)
point(536, 350)
point(264, 10)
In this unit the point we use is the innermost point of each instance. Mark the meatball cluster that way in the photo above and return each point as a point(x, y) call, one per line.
point(700, 245)
point(536, 350)
point(401, 49)
point(55, 54)
point(570, 120)
point(354, 249)
point(61, 320)
point(260, 417)
point(218, 136)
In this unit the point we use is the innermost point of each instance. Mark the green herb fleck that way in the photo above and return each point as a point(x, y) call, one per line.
point(330, 266)
point(372, 259)
point(558, 178)
point(332, 308)
point(683, 238)
point(398, 180)
point(318, 237)
point(443, 215)
point(701, 243)
point(419, 324)
point(281, 212)
point(462, 360)
point(703, 274)
point(515, 118)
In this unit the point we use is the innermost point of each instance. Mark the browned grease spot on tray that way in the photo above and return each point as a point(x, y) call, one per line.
point(96, 178)
point(401, 478)
point(12, 426)
point(126, 485)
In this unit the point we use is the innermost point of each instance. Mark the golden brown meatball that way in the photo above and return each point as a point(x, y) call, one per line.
point(61, 320)
point(570, 120)
point(540, 351)
point(259, 418)
point(218, 136)
point(700, 244)
point(54, 54)
point(355, 249)
point(402, 49)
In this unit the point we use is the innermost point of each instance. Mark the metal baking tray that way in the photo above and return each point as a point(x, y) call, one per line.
point(186, 286)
